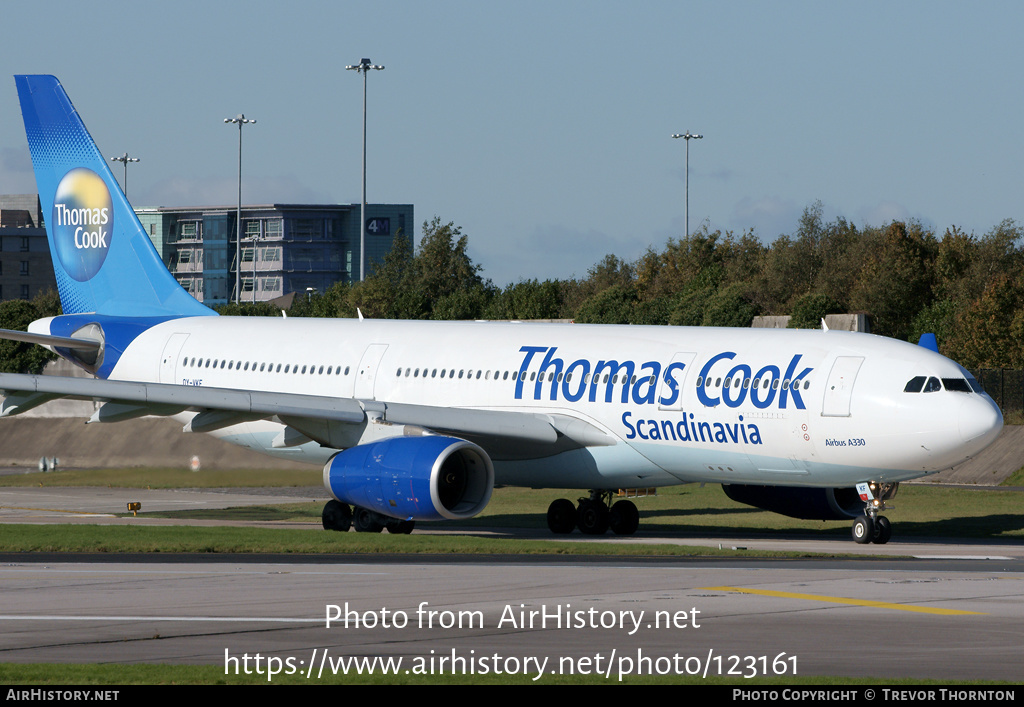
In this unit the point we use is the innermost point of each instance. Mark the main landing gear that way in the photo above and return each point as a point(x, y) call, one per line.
point(872, 527)
point(339, 516)
point(593, 516)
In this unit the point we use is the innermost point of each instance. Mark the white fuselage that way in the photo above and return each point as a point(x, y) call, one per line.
point(776, 407)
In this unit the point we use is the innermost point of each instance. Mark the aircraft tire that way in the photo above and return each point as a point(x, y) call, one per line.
point(337, 516)
point(624, 518)
point(592, 517)
point(883, 530)
point(365, 521)
point(561, 516)
point(863, 530)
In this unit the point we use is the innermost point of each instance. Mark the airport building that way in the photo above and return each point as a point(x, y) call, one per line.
point(25, 266)
point(286, 248)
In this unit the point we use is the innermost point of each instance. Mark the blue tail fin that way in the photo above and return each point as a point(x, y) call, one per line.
point(102, 257)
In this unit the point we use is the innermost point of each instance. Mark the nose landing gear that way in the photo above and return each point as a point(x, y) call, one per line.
point(872, 527)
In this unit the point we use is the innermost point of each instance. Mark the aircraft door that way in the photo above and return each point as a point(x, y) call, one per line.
point(170, 356)
point(367, 373)
point(670, 382)
point(839, 388)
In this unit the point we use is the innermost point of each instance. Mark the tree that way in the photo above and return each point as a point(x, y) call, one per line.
point(810, 309)
point(389, 292)
point(730, 306)
point(248, 309)
point(613, 305)
point(17, 356)
point(440, 281)
point(527, 299)
point(443, 268)
point(895, 282)
point(990, 332)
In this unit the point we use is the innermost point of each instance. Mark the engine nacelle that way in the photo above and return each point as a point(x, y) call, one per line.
point(413, 478)
point(799, 502)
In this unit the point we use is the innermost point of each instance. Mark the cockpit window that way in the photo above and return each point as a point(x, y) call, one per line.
point(932, 385)
point(958, 385)
point(914, 386)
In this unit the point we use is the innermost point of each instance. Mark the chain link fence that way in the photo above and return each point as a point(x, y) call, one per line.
point(1005, 385)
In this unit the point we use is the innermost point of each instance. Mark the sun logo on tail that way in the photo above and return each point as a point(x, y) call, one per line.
point(83, 220)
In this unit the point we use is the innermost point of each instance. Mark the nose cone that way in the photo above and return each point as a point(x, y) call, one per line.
point(980, 422)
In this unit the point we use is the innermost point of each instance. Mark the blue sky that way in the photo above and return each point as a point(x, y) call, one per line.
point(543, 128)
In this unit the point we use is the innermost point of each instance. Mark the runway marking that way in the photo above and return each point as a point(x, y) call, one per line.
point(236, 619)
point(847, 600)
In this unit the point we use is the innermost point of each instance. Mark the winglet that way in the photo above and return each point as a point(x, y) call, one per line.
point(929, 342)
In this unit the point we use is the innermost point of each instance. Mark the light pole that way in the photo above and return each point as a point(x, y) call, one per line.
point(363, 67)
point(240, 120)
point(686, 208)
point(125, 159)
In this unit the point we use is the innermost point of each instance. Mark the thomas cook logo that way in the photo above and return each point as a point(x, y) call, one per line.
point(83, 218)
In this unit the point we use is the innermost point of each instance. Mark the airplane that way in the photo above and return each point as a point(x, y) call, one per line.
point(418, 421)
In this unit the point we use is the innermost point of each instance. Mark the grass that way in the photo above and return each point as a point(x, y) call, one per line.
point(166, 478)
point(922, 510)
point(1015, 479)
point(682, 511)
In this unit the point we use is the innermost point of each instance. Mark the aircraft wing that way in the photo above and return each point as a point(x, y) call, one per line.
point(222, 407)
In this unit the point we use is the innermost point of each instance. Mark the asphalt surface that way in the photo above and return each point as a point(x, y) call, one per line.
point(946, 610)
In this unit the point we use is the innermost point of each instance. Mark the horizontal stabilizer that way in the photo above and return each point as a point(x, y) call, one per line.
point(63, 342)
